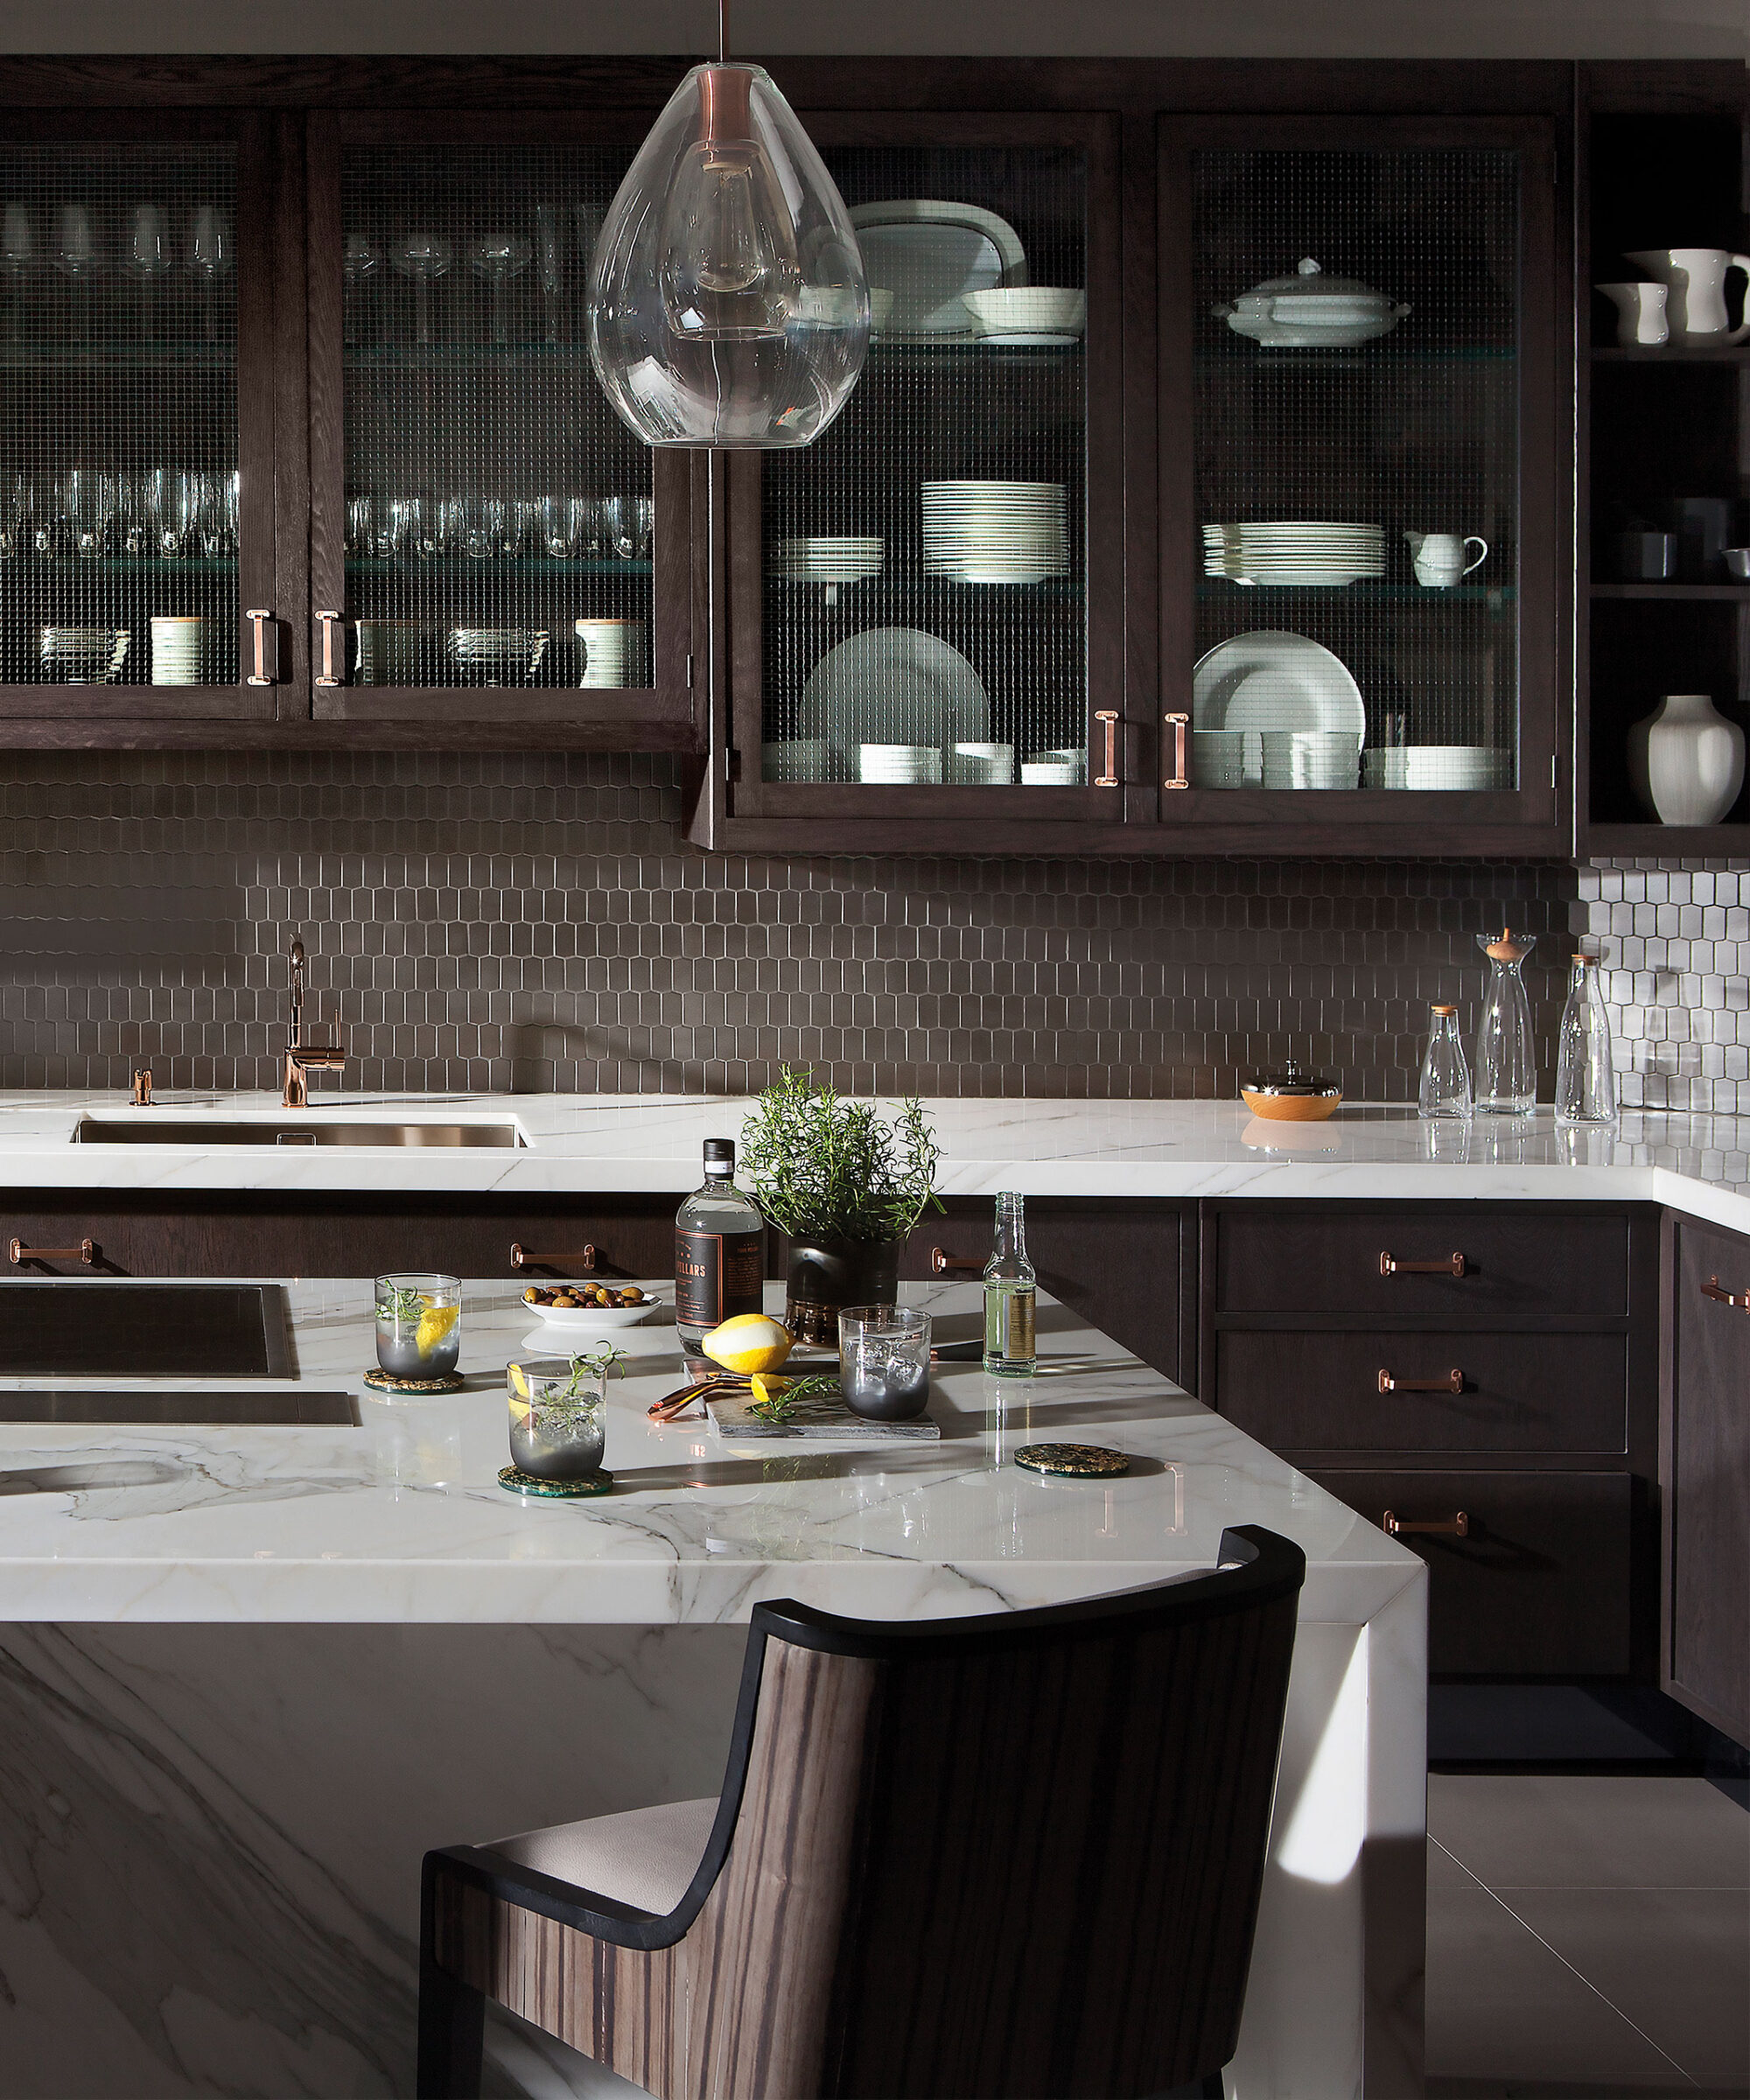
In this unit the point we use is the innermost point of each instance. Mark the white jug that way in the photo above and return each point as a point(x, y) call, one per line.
point(1439, 556)
point(1640, 320)
point(1694, 280)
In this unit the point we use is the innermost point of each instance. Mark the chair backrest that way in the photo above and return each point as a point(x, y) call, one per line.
point(1019, 1854)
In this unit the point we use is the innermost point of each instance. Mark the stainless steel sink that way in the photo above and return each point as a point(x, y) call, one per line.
point(144, 1128)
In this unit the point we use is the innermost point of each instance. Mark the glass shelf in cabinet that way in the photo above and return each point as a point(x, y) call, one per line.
point(974, 347)
point(123, 564)
point(116, 357)
point(965, 596)
point(455, 355)
point(1362, 358)
point(533, 566)
point(1492, 595)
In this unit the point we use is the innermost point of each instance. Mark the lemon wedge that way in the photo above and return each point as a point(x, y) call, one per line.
point(434, 1325)
point(768, 1388)
point(519, 1380)
point(750, 1342)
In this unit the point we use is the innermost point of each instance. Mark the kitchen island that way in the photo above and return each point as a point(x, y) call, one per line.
point(252, 1673)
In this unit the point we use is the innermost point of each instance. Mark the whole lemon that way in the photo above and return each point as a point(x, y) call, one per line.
point(750, 1341)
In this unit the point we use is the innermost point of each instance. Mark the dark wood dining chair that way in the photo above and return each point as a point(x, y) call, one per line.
point(1005, 1858)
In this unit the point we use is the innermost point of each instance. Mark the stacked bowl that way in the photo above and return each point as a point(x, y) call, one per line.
point(982, 765)
point(995, 532)
point(1031, 316)
point(1430, 768)
point(611, 652)
point(1310, 757)
point(1291, 551)
point(188, 649)
point(898, 765)
point(828, 558)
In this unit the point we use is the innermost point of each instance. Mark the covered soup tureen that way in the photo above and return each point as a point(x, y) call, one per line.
point(1310, 308)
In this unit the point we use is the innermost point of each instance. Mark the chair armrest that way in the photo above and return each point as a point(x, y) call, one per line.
point(583, 1909)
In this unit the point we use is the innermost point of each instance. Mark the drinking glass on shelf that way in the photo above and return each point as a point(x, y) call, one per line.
point(556, 532)
point(486, 527)
point(626, 526)
point(180, 523)
point(17, 260)
point(548, 248)
point(361, 259)
point(497, 257)
point(210, 255)
point(18, 503)
point(424, 257)
point(217, 513)
point(146, 257)
point(358, 533)
point(88, 503)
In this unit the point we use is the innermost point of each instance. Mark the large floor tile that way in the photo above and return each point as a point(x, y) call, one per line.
point(1674, 1961)
point(1504, 2011)
point(1537, 1831)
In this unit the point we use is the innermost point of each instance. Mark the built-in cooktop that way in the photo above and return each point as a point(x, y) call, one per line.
point(79, 1329)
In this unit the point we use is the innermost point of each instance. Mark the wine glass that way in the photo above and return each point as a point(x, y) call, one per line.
point(210, 255)
point(77, 258)
point(146, 257)
point(548, 244)
point(361, 259)
point(497, 257)
point(424, 257)
point(18, 258)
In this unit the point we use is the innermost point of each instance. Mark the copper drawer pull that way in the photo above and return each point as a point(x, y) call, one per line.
point(1452, 1265)
point(1453, 1383)
point(86, 1251)
point(1459, 1528)
point(944, 1263)
point(1710, 1289)
point(523, 1257)
point(331, 672)
point(1179, 725)
point(1107, 776)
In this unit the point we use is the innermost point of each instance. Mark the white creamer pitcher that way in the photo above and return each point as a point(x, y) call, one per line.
point(1695, 280)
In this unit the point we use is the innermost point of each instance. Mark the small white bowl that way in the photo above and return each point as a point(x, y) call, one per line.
point(1027, 309)
point(585, 1319)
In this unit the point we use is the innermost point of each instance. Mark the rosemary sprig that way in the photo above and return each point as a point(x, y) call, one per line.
point(601, 1362)
point(780, 1408)
point(406, 1307)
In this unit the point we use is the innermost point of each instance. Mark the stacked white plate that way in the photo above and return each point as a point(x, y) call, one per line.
point(1430, 768)
point(1310, 757)
point(898, 765)
point(827, 559)
point(995, 532)
point(187, 650)
point(612, 652)
point(1290, 551)
point(982, 765)
point(794, 759)
point(1063, 768)
point(1219, 756)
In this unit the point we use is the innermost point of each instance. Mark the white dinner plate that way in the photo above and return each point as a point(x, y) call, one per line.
point(1270, 680)
point(928, 252)
point(893, 685)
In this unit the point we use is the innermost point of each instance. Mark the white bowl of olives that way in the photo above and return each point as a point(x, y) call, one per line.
point(588, 1308)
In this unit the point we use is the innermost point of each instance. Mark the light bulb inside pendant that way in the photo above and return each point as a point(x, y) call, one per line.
point(728, 306)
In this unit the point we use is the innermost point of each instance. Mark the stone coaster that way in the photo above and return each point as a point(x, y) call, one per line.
point(1073, 1461)
point(519, 1483)
point(824, 1418)
point(386, 1382)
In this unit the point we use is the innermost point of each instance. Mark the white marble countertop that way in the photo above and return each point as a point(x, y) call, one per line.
point(402, 1519)
point(650, 1143)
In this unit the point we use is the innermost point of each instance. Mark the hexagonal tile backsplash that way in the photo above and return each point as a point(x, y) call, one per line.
point(528, 922)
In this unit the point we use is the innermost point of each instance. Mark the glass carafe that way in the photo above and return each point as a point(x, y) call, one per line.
point(1585, 1085)
point(1506, 1062)
point(1445, 1091)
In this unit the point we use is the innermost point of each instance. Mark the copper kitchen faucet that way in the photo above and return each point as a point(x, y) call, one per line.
point(302, 1057)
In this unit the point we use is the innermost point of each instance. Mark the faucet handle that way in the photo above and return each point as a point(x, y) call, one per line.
point(142, 1088)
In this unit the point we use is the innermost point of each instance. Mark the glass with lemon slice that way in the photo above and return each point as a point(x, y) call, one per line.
point(558, 1417)
point(419, 1326)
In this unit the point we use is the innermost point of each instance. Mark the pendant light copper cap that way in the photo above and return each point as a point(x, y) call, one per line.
point(725, 114)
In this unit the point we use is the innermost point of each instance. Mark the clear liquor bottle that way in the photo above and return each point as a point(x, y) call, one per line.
point(1445, 1090)
point(1586, 1085)
point(1011, 1295)
point(719, 1250)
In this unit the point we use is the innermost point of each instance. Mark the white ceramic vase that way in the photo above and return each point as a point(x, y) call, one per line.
point(1686, 761)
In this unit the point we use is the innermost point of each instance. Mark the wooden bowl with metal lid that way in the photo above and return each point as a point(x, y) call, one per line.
point(1291, 1096)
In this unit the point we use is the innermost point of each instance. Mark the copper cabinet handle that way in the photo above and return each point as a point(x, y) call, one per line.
point(1180, 726)
point(1710, 1289)
point(524, 1258)
point(1108, 772)
point(1453, 1383)
point(1453, 1264)
point(86, 1251)
point(266, 645)
point(944, 1263)
point(331, 624)
point(1459, 1527)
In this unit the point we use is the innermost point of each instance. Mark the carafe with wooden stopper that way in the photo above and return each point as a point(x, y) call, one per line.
point(1506, 1062)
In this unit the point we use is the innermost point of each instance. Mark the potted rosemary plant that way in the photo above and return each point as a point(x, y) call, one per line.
point(845, 1186)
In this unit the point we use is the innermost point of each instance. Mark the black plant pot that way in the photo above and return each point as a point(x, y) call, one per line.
point(827, 1274)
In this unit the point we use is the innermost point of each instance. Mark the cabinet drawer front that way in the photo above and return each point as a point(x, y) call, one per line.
point(1516, 1260)
point(1541, 1585)
point(1298, 1391)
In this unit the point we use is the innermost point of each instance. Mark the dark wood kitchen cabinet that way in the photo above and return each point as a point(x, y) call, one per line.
point(1483, 1376)
point(1705, 1635)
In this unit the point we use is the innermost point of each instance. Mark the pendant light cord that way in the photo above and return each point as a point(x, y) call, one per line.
point(722, 33)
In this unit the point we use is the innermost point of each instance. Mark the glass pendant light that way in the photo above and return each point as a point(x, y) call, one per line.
point(728, 305)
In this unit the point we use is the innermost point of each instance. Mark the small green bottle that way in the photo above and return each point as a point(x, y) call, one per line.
point(1010, 1291)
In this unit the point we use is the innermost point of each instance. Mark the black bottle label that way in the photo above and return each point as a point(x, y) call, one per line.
point(716, 1276)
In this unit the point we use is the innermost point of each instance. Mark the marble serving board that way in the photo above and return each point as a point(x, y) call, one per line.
point(733, 1417)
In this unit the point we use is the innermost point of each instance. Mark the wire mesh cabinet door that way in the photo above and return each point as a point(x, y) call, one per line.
point(493, 551)
point(1360, 459)
point(927, 602)
point(137, 425)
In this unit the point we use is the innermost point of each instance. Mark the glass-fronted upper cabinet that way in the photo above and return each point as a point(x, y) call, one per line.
point(491, 543)
point(927, 604)
point(135, 493)
point(1360, 496)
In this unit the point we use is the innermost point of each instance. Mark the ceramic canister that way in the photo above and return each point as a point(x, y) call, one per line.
point(1686, 760)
